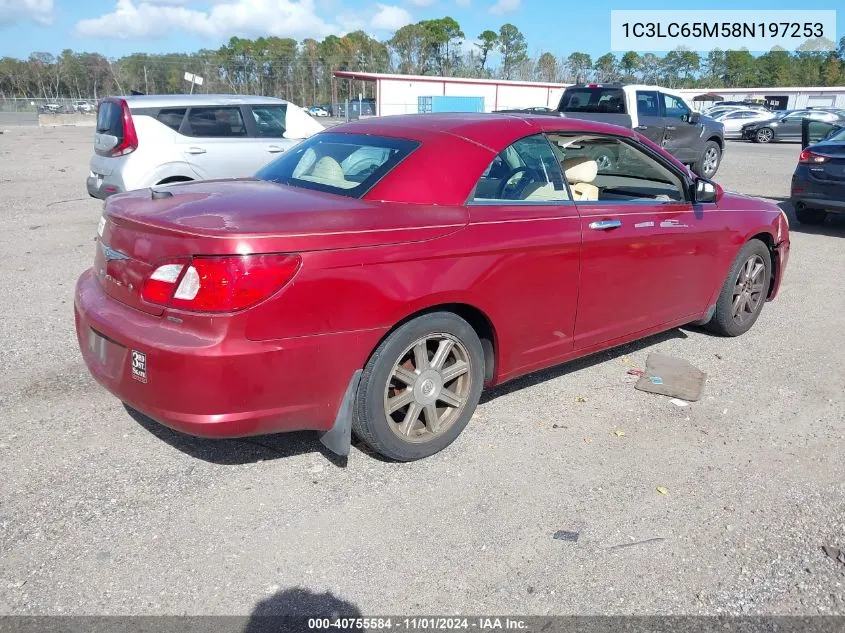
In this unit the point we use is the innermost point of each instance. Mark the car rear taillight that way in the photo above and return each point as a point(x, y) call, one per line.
point(809, 158)
point(129, 143)
point(219, 284)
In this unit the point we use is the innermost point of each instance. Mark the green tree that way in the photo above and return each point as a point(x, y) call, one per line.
point(832, 71)
point(680, 64)
point(579, 65)
point(605, 67)
point(546, 69)
point(513, 48)
point(629, 64)
point(487, 43)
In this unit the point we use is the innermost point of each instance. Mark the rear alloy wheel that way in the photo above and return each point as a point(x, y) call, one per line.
point(708, 164)
point(744, 291)
point(764, 135)
point(810, 216)
point(420, 387)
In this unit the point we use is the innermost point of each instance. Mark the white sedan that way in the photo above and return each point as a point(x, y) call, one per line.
point(734, 120)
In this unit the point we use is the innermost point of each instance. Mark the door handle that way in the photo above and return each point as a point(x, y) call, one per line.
point(641, 127)
point(196, 150)
point(670, 127)
point(275, 149)
point(605, 225)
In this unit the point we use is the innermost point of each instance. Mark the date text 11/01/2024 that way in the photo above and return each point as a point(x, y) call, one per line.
point(723, 29)
point(418, 624)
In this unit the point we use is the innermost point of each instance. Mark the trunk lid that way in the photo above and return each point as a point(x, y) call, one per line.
point(246, 216)
point(834, 168)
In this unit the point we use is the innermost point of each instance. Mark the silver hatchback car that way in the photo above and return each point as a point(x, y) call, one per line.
point(149, 140)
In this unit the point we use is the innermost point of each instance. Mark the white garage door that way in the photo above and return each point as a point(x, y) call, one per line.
point(818, 101)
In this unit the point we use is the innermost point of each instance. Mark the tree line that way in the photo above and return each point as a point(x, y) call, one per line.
point(301, 71)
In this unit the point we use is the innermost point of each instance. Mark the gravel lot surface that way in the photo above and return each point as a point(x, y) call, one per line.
point(103, 514)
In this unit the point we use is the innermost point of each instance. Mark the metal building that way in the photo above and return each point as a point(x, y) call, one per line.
point(401, 94)
point(411, 94)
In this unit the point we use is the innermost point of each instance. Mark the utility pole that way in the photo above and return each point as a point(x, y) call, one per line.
point(146, 87)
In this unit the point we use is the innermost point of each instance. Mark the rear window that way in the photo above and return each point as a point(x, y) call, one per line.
point(171, 117)
point(110, 119)
point(215, 121)
point(270, 120)
point(345, 164)
point(606, 100)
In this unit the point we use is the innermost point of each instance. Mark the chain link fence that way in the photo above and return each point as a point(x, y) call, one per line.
point(48, 106)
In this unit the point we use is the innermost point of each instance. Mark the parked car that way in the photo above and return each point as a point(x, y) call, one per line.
point(318, 111)
point(83, 106)
point(715, 112)
point(785, 126)
point(818, 184)
point(661, 115)
point(733, 120)
point(49, 108)
point(148, 140)
point(340, 289)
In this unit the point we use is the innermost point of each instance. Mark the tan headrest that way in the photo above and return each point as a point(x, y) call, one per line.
point(580, 169)
point(328, 168)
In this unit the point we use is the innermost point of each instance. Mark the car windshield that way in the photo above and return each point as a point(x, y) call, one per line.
point(344, 164)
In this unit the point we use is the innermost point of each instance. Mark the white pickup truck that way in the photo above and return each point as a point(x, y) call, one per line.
point(661, 115)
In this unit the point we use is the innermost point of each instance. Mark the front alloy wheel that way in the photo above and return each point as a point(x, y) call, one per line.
point(749, 290)
point(765, 135)
point(744, 292)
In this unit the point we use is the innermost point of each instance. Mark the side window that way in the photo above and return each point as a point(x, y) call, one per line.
point(607, 169)
point(527, 171)
point(215, 121)
point(171, 117)
point(270, 120)
point(647, 103)
point(674, 107)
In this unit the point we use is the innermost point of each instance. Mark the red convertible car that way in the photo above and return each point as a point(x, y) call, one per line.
point(377, 276)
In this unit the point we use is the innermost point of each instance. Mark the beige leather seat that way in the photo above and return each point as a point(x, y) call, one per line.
point(327, 171)
point(580, 173)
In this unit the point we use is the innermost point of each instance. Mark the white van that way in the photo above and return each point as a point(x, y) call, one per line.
point(149, 140)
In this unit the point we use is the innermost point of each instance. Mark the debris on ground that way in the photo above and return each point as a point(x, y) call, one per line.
point(679, 403)
point(587, 440)
point(564, 535)
point(619, 433)
point(656, 539)
point(580, 399)
point(673, 377)
point(559, 426)
point(835, 553)
point(635, 372)
point(662, 490)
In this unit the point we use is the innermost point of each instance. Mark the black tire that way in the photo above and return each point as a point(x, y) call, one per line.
point(806, 215)
point(372, 424)
point(724, 322)
point(704, 166)
point(764, 135)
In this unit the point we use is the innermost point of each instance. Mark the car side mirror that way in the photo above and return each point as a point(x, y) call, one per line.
point(692, 118)
point(705, 191)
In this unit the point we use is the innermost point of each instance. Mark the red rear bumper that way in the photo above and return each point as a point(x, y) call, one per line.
point(215, 383)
